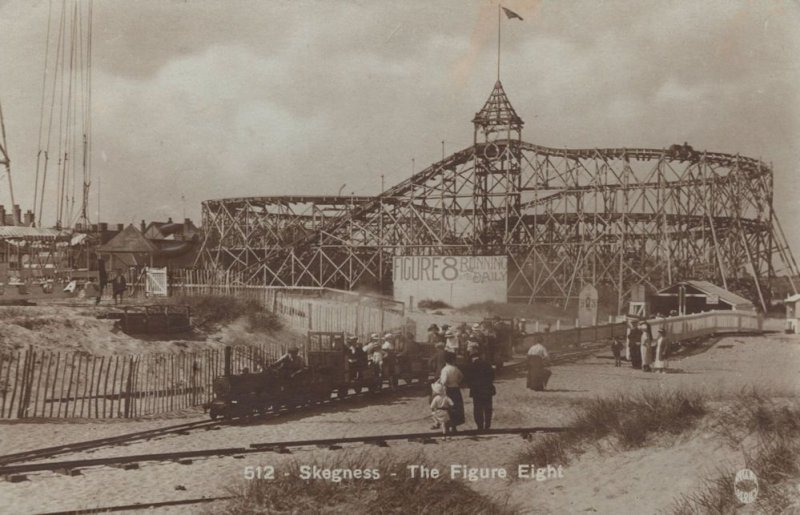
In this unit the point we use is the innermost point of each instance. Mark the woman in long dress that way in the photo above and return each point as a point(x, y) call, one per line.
point(538, 373)
point(660, 362)
point(634, 337)
point(451, 377)
point(646, 348)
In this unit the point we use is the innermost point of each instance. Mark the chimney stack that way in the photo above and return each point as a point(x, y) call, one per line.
point(2, 214)
point(142, 227)
point(29, 218)
point(103, 226)
point(120, 227)
point(17, 215)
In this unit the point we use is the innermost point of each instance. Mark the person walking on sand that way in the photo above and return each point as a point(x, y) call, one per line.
point(616, 349)
point(451, 377)
point(538, 373)
point(480, 378)
point(634, 345)
point(102, 276)
point(118, 286)
point(441, 406)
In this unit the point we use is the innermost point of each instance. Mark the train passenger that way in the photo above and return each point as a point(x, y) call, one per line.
point(389, 363)
point(473, 347)
point(433, 334)
point(522, 328)
point(477, 334)
point(388, 338)
point(356, 358)
point(463, 337)
point(451, 342)
point(443, 332)
point(291, 362)
point(374, 343)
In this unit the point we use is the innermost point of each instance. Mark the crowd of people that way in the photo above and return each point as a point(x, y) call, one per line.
point(463, 357)
point(640, 348)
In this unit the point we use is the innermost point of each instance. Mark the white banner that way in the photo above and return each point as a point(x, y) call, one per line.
point(456, 280)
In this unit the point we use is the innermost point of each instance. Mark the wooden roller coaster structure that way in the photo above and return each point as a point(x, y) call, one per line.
point(613, 217)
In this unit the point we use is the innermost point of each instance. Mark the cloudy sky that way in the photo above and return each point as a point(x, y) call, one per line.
point(206, 99)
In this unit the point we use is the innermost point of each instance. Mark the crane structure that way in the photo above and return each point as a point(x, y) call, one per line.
point(613, 217)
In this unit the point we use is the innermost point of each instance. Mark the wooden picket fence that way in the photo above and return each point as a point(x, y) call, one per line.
point(77, 384)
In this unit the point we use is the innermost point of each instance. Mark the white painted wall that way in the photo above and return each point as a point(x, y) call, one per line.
point(456, 280)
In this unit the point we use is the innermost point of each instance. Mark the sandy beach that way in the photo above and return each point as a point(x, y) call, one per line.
point(602, 480)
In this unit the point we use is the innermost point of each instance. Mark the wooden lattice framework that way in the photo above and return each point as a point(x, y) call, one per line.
point(614, 217)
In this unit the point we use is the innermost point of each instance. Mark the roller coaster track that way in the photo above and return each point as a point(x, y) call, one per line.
point(746, 164)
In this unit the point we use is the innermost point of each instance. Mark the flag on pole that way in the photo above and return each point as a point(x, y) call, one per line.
point(511, 14)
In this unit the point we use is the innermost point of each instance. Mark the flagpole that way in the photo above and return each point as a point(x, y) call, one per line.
point(498, 42)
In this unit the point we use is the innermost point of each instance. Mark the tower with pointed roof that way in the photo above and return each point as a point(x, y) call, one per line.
point(497, 164)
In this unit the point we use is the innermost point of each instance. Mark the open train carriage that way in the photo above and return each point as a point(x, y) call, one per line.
point(506, 336)
point(328, 350)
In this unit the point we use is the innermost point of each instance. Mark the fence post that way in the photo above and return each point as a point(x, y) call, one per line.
point(23, 394)
point(128, 386)
point(310, 324)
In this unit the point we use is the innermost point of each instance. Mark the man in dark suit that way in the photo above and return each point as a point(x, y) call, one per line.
point(480, 378)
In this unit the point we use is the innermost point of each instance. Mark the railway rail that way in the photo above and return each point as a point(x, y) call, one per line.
point(142, 506)
point(16, 473)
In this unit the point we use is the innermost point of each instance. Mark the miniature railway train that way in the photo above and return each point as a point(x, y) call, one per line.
point(328, 370)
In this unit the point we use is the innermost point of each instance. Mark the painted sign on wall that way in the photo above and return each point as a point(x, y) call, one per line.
point(456, 280)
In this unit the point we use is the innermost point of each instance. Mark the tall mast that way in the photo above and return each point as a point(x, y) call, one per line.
point(4, 159)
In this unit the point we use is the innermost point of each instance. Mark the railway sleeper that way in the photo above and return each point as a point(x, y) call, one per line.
point(125, 466)
point(68, 471)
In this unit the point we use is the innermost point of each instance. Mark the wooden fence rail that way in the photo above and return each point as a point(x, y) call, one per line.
point(80, 385)
point(676, 328)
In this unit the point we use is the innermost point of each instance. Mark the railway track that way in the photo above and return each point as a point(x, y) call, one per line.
point(559, 356)
point(16, 473)
point(141, 506)
point(50, 452)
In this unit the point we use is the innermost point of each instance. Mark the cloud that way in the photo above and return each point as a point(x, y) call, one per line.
point(211, 99)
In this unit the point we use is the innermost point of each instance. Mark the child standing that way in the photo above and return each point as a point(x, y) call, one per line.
point(440, 407)
point(616, 349)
